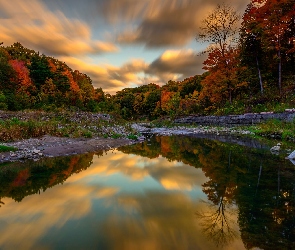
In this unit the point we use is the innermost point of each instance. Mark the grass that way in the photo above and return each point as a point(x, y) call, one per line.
point(132, 137)
point(275, 129)
point(65, 124)
point(4, 148)
point(163, 122)
point(116, 136)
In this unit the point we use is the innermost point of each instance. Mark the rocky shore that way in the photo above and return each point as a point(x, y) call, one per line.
point(50, 146)
point(180, 130)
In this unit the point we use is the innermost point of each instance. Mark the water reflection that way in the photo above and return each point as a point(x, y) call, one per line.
point(166, 193)
point(260, 186)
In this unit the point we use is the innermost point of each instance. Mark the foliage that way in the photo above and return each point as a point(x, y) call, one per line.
point(31, 80)
point(248, 69)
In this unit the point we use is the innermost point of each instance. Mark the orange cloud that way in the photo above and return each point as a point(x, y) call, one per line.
point(34, 25)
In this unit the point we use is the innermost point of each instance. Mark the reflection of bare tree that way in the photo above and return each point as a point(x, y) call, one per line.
point(1, 202)
point(217, 224)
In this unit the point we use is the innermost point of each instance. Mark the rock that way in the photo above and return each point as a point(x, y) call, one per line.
point(276, 148)
point(292, 155)
point(248, 118)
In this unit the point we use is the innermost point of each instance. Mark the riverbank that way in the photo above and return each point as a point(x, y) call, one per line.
point(51, 146)
point(35, 134)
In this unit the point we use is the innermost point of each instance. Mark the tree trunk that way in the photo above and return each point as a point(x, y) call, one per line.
point(280, 71)
point(260, 78)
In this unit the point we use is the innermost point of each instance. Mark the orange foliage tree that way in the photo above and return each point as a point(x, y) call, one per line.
point(22, 73)
point(222, 81)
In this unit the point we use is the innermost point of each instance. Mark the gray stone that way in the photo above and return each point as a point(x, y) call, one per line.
point(233, 120)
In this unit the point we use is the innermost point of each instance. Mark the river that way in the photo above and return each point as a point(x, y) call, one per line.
point(169, 192)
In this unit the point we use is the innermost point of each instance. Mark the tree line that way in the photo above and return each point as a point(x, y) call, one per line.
point(250, 67)
point(29, 80)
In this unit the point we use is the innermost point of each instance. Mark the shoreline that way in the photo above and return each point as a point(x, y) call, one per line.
point(103, 130)
point(51, 146)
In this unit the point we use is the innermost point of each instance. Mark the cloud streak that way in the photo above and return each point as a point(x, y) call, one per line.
point(161, 23)
point(171, 65)
point(32, 24)
point(74, 32)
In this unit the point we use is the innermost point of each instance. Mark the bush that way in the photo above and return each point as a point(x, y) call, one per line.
point(132, 137)
point(6, 148)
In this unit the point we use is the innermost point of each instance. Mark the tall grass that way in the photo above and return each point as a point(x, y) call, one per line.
point(66, 125)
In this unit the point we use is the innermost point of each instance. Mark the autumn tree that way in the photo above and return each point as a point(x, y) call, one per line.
point(267, 35)
point(251, 47)
point(220, 28)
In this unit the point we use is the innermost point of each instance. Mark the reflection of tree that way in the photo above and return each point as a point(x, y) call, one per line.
point(20, 179)
point(262, 185)
point(217, 223)
point(266, 209)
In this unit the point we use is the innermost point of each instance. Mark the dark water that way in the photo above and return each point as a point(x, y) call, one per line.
point(166, 193)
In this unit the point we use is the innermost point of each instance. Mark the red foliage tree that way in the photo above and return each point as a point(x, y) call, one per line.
point(23, 79)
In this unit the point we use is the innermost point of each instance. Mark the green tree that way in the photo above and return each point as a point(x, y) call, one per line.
point(40, 70)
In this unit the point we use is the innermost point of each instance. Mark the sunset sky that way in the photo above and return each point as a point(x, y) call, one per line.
point(118, 43)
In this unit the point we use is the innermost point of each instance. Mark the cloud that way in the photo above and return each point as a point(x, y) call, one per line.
point(171, 65)
point(126, 72)
point(160, 23)
point(108, 77)
point(183, 63)
point(153, 23)
point(32, 24)
point(65, 29)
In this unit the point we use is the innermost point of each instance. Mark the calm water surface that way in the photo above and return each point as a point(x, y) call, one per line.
point(166, 193)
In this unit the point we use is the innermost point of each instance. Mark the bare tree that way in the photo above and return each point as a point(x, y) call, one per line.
point(220, 27)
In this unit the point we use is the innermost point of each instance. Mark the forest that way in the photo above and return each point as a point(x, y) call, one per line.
point(250, 67)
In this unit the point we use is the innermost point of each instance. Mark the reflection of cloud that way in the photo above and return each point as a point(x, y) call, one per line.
point(36, 26)
point(31, 219)
point(159, 219)
point(174, 185)
point(171, 175)
point(167, 221)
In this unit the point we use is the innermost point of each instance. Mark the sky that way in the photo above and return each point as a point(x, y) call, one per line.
point(118, 43)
